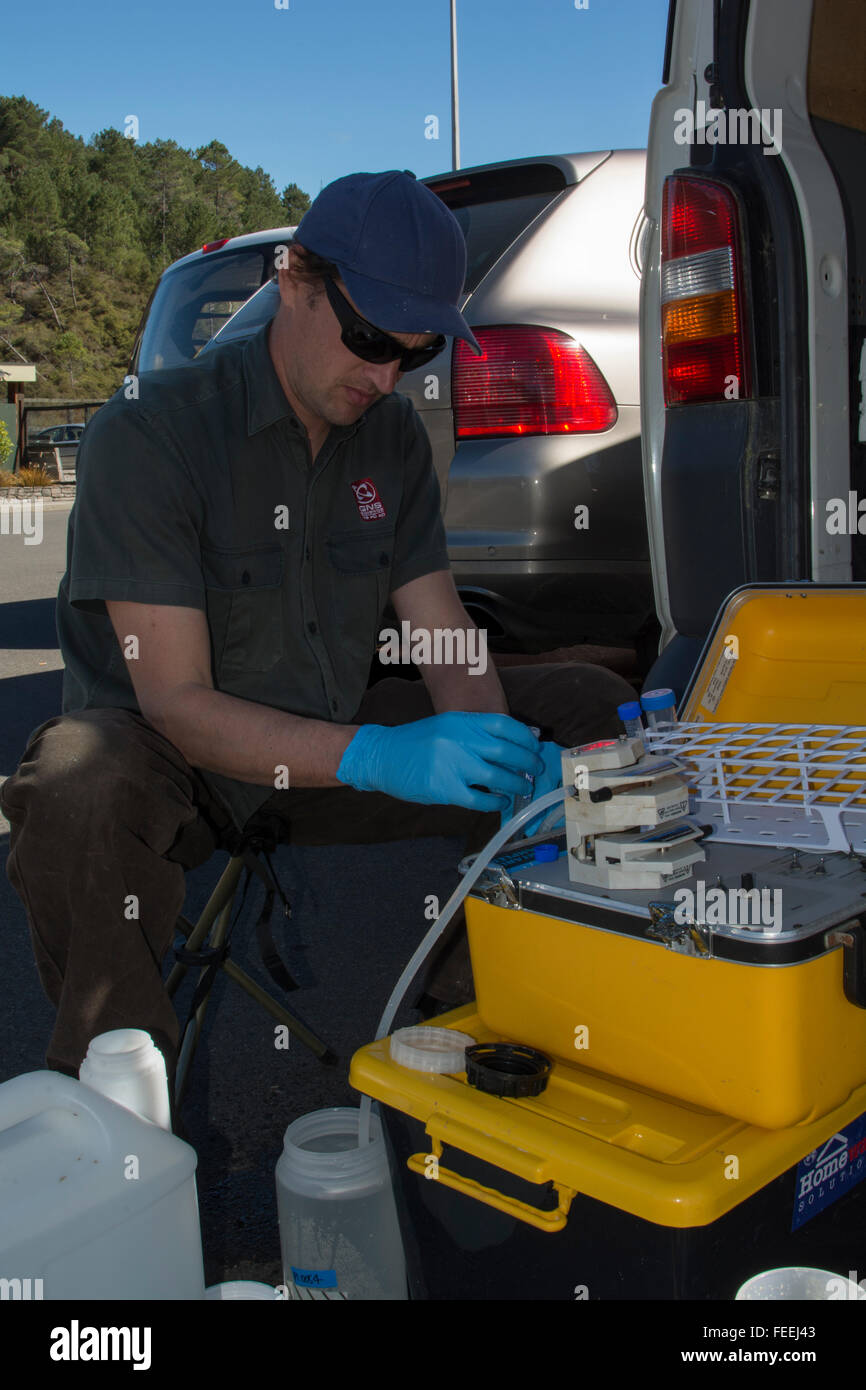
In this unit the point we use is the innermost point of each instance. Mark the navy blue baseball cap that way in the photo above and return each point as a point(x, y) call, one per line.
point(400, 251)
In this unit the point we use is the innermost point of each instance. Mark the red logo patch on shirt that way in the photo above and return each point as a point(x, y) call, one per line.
point(369, 502)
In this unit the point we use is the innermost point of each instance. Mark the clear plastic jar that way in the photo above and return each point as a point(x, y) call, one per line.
point(339, 1229)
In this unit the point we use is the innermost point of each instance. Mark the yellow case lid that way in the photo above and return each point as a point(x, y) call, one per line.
point(669, 1163)
point(786, 654)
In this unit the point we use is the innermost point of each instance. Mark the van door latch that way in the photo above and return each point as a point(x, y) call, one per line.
point(769, 474)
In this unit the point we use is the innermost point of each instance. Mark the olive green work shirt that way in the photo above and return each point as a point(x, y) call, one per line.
point(202, 493)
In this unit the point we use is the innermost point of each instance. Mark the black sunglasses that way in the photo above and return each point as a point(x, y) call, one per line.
point(371, 343)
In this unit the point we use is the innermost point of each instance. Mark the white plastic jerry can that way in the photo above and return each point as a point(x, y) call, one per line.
point(95, 1202)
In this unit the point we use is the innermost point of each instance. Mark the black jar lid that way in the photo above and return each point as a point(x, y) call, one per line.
point(507, 1069)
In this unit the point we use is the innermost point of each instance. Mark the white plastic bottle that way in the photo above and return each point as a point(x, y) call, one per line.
point(128, 1067)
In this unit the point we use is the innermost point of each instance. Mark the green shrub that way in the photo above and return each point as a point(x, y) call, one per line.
point(5, 443)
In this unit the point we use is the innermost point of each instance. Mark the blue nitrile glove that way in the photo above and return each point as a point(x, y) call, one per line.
point(444, 760)
point(546, 781)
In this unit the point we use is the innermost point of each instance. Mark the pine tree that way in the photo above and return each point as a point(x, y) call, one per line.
point(295, 203)
point(86, 227)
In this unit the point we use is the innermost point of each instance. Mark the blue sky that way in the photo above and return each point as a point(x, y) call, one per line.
point(325, 87)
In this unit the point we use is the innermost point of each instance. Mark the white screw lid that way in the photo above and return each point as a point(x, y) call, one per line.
point(424, 1048)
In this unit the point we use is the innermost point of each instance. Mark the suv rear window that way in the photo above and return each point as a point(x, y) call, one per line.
point(195, 300)
point(494, 207)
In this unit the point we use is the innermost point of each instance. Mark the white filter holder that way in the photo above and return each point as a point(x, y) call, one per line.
point(621, 794)
point(425, 1048)
point(640, 859)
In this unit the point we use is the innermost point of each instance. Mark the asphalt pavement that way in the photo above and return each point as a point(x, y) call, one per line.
point(358, 914)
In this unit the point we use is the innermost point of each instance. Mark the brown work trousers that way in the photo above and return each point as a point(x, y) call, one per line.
point(102, 807)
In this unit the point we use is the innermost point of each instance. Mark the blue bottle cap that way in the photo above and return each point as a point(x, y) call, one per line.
point(657, 699)
point(545, 854)
point(630, 710)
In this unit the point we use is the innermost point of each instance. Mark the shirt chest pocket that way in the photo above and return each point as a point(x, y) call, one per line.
point(351, 553)
point(360, 569)
point(245, 609)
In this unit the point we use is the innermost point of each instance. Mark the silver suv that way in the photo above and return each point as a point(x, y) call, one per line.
point(197, 294)
point(537, 443)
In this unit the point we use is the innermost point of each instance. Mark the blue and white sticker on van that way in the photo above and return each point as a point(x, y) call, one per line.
point(830, 1171)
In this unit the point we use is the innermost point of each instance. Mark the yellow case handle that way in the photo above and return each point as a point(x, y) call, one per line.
point(512, 1206)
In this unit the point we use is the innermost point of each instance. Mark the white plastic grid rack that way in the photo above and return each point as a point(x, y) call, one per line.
point(796, 785)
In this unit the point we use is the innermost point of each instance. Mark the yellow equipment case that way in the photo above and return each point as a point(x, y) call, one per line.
point(704, 1117)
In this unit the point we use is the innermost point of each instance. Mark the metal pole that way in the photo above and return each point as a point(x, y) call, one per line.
point(455, 100)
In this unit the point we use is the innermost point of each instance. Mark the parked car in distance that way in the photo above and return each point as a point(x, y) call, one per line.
point(537, 443)
point(58, 434)
point(55, 448)
point(197, 294)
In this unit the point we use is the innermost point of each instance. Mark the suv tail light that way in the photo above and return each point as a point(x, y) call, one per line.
point(215, 245)
point(703, 303)
point(529, 381)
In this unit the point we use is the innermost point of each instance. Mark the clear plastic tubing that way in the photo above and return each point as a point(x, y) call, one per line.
point(629, 713)
point(541, 803)
point(660, 708)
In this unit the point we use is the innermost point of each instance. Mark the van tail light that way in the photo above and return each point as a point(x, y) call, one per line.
point(528, 381)
point(215, 245)
point(704, 346)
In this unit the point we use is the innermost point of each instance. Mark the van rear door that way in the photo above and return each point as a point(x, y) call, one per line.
point(752, 305)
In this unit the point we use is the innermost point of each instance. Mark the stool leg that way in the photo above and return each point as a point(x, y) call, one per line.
point(218, 910)
point(223, 893)
point(274, 1008)
point(277, 1011)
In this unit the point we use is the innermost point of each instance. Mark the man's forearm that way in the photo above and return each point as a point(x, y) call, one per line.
point(431, 606)
point(252, 742)
point(456, 688)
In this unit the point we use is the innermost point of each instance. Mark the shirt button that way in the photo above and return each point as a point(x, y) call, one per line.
point(312, 627)
point(334, 706)
point(307, 553)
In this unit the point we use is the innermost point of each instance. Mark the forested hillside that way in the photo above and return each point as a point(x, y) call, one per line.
point(87, 227)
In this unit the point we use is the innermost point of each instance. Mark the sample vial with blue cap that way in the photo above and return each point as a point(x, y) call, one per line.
point(660, 709)
point(529, 794)
point(629, 713)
